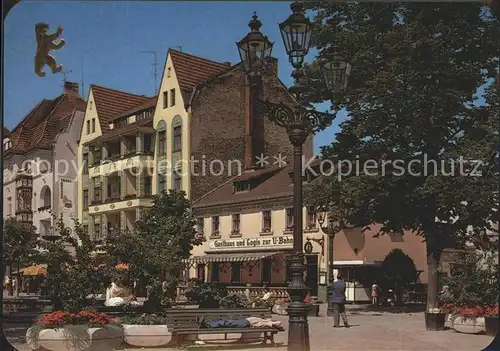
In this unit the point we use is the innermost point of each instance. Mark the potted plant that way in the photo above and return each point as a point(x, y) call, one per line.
point(313, 307)
point(146, 330)
point(65, 331)
point(435, 319)
point(491, 321)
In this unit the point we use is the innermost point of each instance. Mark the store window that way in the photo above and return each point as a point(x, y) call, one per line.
point(267, 264)
point(200, 271)
point(235, 272)
point(214, 272)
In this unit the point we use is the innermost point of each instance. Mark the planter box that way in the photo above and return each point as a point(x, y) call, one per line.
point(65, 339)
point(435, 321)
point(468, 325)
point(491, 325)
point(313, 310)
point(146, 335)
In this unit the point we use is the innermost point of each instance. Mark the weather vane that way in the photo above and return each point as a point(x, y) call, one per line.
point(44, 44)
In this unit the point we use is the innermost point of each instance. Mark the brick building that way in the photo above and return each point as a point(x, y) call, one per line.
point(201, 129)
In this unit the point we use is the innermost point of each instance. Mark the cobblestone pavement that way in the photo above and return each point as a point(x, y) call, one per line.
point(370, 331)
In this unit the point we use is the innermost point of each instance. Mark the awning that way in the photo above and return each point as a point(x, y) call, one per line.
point(234, 257)
point(40, 269)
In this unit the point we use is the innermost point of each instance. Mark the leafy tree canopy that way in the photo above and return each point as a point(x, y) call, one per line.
point(19, 242)
point(413, 96)
point(398, 268)
point(163, 237)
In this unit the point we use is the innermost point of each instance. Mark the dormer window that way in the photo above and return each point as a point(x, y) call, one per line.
point(7, 144)
point(240, 187)
point(169, 72)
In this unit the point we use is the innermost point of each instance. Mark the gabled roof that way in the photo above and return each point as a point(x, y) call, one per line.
point(277, 185)
point(193, 70)
point(40, 127)
point(110, 103)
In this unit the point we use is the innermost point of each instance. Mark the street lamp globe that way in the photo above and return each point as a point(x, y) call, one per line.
point(296, 32)
point(335, 72)
point(255, 49)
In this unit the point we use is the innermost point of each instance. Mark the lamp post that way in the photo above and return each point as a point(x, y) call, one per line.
point(299, 121)
point(331, 229)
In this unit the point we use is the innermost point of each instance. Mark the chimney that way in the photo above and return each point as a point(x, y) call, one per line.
point(71, 87)
point(254, 126)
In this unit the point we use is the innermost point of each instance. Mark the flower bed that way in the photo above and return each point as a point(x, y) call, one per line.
point(146, 330)
point(65, 331)
point(473, 319)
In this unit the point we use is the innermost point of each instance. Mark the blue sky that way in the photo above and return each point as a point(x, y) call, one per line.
point(108, 38)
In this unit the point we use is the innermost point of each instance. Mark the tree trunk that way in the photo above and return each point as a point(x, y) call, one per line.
point(11, 289)
point(433, 257)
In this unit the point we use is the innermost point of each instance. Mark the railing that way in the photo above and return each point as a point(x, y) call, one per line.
point(251, 292)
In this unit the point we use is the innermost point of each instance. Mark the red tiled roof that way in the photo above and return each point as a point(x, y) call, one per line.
point(110, 103)
point(192, 70)
point(40, 127)
point(277, 185)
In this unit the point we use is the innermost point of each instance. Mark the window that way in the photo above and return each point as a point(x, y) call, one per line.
point(169, 72)
point(177, 138)
point(267, 264)
point(214, 274)
point(235, 272)
point(266, 221)
point(122, 122)
point(97, 190)
point(236, 224)
point(88, 127)
point(241, 186)
point(162, 142)
point(97, 231)
point(148, 140)
point(162, 183)
point(172, 97)
point(86, 228)
point(148, 186)
point(289, 219)
point(200, 271)
point(200, 225)
point(93, 125)
point(177, 180)
point(85, 163)
point(311, 218)
point(215, 225)
point(85, 199)
point(9, 206)
point(97, 154)
point(165, 99)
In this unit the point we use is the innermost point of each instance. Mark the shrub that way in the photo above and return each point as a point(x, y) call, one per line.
point(206, 295)
point(233, 301)
point(144, 319)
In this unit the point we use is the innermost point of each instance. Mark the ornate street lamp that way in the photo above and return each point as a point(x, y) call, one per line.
point(296, 32)
point(255, 49)
point(335, 72)
point(299, 122)
point(331, 229)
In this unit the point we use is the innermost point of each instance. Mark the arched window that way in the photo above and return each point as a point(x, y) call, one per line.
point(177, 134)
point(162, 138)
point(45, 197)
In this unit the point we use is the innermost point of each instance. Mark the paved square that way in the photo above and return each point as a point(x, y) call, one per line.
point(369, 331)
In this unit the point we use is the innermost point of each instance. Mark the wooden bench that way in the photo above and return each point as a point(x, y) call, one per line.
point(184, 322)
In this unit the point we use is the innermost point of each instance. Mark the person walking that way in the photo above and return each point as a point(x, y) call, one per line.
point(337, 294)
point(375, 293)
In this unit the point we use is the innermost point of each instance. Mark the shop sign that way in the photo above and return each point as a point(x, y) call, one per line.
point(257, 243)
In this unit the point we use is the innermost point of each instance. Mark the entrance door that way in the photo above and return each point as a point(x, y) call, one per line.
point(312, 274)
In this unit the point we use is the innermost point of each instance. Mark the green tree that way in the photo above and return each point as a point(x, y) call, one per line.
point(399, 271)
point(19, 245)
point(413, 95)
point(155, 249)
point(72, 272)
point(474, 278)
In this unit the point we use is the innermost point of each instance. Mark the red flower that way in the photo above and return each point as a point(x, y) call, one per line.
point(491, 311)
point(61, 318)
